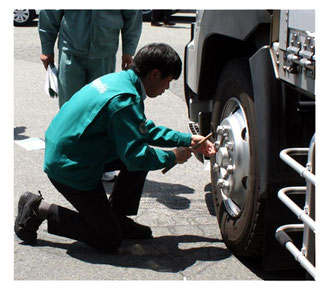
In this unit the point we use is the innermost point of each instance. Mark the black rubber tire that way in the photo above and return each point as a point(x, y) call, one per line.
point(242, 234)
point(147, 15)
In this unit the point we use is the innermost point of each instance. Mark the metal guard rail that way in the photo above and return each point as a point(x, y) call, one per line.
point(302, 214)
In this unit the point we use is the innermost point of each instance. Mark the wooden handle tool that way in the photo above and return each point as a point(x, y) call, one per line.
point(193, 147)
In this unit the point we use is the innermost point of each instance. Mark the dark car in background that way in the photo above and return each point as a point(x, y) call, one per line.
point(23, 17)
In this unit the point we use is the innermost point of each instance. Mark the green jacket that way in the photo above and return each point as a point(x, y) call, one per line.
point(90, 33)
point(102, 122)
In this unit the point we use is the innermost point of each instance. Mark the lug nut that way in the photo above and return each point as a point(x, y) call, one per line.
point(230, 169)
point(216, 167)
point(229, 146)
point(223, 184)
point(220, 130)
point(217, 145)
point(225, 132)
point(220, 183)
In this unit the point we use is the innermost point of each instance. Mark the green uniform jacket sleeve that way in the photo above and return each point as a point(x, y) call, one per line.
point(131, 136)
point(48, 28)
point(131, 30)
point(166, 137)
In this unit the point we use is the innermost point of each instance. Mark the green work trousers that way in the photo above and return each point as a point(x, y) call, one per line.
point(74, 72)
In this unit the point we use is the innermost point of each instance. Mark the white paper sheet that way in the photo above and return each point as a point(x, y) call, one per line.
point(31, 143)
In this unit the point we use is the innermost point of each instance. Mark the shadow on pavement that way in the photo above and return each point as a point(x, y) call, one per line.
point(209, 200)
point(162, 254)
point(164, 193)
point(255, 265)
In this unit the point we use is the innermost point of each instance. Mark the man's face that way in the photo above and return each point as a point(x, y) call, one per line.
point(158, 84)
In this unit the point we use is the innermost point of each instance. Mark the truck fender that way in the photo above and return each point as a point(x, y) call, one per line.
point(266, 102)
point(212, 22)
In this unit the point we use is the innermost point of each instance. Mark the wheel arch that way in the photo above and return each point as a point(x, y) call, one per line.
point(219, 49)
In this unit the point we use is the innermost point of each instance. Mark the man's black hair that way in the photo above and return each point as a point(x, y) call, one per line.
point(157, 56)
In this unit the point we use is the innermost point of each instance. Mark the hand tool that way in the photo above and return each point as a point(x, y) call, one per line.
point(193, 147)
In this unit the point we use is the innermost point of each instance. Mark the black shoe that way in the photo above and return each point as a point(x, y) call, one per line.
point(156, 24)
point(132, 230)
point(27, 222)
point(169, 23)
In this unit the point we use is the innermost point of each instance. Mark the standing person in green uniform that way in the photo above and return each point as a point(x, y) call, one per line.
point(88, 43)
point(103, 127)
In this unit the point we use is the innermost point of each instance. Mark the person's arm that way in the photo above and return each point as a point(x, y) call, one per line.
point(48, 28)
point(165, 137)
point(130, 32)
point(132, 143)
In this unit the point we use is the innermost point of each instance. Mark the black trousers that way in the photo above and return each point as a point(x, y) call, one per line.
point(95, 220)
point(160, 15)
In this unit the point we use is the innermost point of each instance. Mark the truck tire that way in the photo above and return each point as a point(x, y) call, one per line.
point(234, 168)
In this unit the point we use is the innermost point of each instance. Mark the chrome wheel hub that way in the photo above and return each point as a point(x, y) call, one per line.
point(232, 161)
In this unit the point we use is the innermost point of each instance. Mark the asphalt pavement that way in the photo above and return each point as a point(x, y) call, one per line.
point(187, 244)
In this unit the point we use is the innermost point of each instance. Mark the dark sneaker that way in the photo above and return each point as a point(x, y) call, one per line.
point(156, 24)
point(169, 23)
point(132, 230)
point(27, 222)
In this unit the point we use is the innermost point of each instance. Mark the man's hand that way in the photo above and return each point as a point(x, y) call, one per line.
point(47, 59)
point(182, 154)
point(207, 148)
point(126, 61)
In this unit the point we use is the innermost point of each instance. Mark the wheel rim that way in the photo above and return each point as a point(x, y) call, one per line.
point(232, 153)
point(21, 16)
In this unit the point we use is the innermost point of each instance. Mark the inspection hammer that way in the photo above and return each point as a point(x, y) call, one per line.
point(193, 147)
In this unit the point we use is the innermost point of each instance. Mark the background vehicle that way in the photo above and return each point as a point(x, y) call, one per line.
point(23, 17)
point(249, 78)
